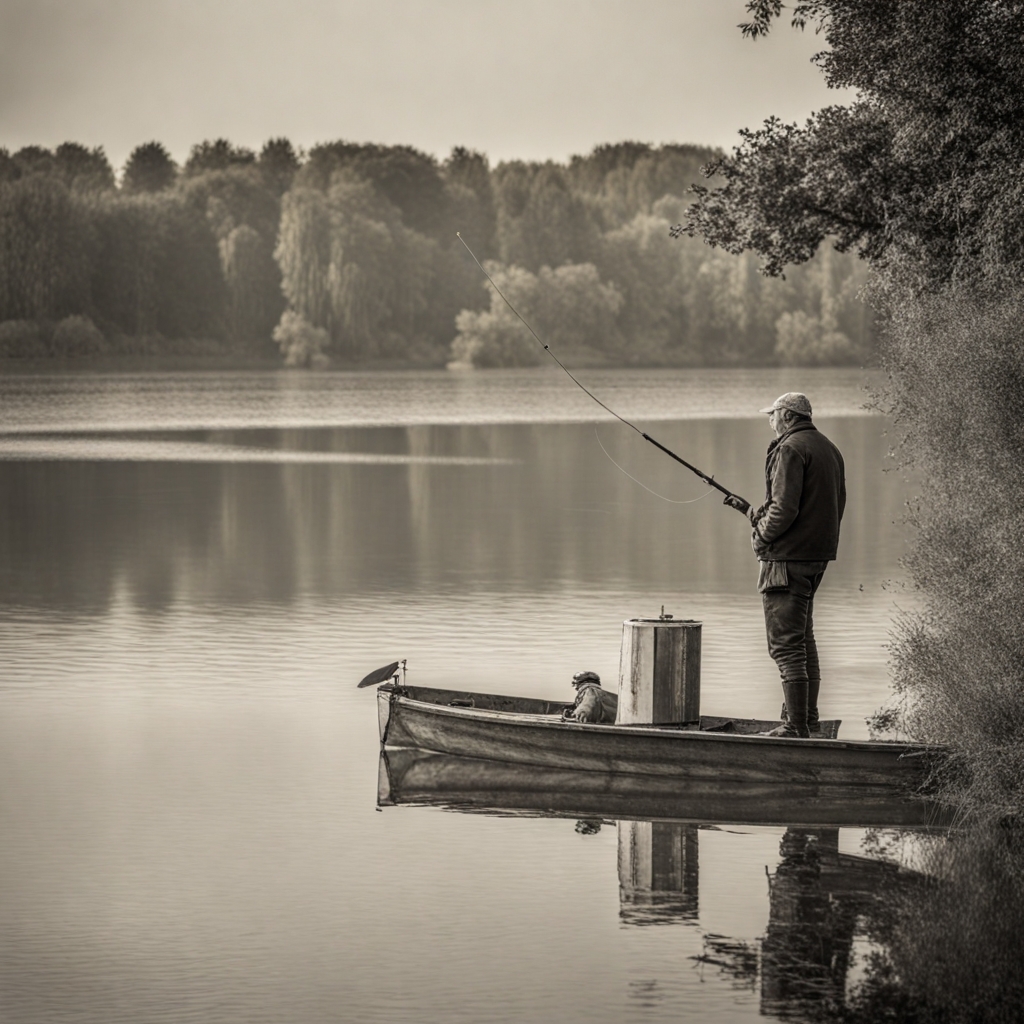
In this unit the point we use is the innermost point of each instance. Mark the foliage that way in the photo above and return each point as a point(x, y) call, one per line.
point(278, 163)
point(409, 180)
point(360, 239)
point(77, 336)
point(156, 269)
point(471, 197)
point(301, 343)
point(45, 249)
point(218, 155)
point(540, 219)
point(948, 942)
point(20, 339)
point(957, 367)
point(923, 174)
point(823, 330)
point(351, 266)
point(568, 307)
point(628, 178)
point(83, 170)
point(149, 169)
point(253, 281)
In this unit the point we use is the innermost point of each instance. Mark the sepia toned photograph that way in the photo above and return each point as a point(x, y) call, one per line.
point(511, 511)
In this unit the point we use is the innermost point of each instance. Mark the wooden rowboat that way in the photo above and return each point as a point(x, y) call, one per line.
point(522, 730)
point(424, 778)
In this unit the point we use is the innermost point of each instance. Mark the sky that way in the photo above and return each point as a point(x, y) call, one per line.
point(516, 79)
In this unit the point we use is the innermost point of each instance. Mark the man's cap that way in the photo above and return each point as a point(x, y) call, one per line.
point(793, 401)
point(586, 677)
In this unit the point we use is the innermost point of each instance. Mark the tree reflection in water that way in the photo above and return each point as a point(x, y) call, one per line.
point(951, 949)
point(942, 942)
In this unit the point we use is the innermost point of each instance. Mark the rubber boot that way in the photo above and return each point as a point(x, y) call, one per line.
point(794, 724)
point(813, 718)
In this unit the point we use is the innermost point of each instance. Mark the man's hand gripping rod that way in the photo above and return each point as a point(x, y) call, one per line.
point(732, 500)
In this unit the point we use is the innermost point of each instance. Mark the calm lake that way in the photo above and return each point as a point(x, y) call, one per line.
point(196, 570)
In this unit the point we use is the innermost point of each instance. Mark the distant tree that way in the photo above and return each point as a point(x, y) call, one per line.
point(540, 220)
point(468, 176)
point(304, 253)
point(408, 179)
point(126, 284)
point(826, 323)
point(253, 283)
point(648, 268)
point(568, 307)
point(157, 268)
point(33, 160)
point(21, 339)
point(625, 179)
point(84, 170)
point(45, 250)
point(278, 164)
point(77, 336)
point(234, 196)
point(351, 266)
point(803, 340)
point(588, 173)
point(8, 168)
point(149, 169)
point(243, 213)
point(218, 155)
point(300, 342)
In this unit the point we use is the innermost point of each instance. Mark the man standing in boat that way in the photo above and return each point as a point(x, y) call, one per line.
point(796, 535)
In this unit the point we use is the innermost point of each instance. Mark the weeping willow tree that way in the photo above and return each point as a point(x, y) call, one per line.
point(46, 244)
point(351, 267)
point(923, 176)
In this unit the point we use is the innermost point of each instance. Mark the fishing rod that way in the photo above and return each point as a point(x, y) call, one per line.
point(740, 504)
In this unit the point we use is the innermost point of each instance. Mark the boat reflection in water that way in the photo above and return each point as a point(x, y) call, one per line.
point(848, 936)
point(410, 776)
point(659, 872)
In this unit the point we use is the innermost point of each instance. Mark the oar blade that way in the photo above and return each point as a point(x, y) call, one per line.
point(378, 675)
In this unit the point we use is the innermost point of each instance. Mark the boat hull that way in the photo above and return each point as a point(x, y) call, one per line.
point(548, 741)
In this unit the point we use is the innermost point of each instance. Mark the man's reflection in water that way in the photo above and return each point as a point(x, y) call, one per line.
point(805, 953)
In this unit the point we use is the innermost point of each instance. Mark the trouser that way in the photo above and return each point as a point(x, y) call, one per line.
point(789, 624)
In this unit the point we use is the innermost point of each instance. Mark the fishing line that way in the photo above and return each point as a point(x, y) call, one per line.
point(674, 501)
point(547, 348)
point(622, 419)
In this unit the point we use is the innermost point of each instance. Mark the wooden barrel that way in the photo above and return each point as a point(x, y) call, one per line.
point(659, 671)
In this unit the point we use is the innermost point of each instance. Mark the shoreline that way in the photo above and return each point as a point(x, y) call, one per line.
point(220, 362)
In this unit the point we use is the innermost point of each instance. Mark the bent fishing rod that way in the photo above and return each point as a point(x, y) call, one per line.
point(738, 503)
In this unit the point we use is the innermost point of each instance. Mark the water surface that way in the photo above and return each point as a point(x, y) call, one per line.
point(197, 568)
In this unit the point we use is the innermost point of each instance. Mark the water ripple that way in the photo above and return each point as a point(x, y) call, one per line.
point(128, 450)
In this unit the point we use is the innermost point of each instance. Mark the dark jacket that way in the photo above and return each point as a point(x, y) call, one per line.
point(805, 494)
point(594, 704)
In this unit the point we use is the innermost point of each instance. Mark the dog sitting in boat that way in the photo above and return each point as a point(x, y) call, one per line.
point(592, 703)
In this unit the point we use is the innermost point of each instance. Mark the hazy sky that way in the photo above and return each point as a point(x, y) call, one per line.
point(534, 79)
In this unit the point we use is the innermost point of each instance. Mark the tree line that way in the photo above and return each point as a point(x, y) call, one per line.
point(348, 254)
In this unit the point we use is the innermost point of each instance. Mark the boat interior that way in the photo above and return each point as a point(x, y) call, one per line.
point(494, 702)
